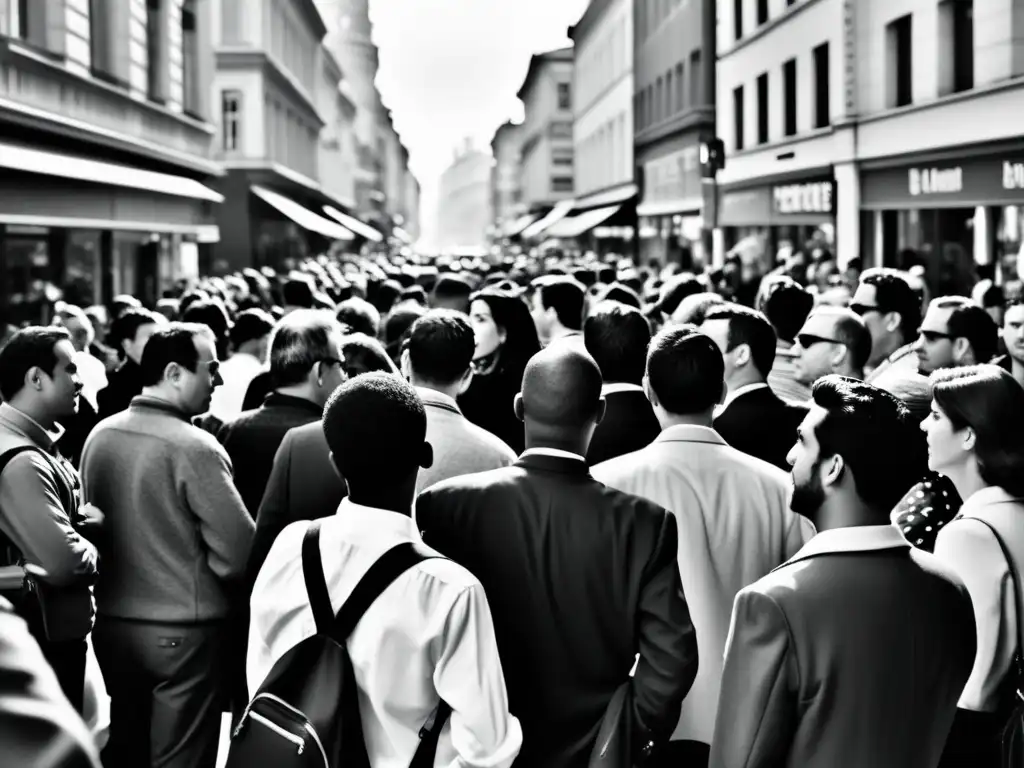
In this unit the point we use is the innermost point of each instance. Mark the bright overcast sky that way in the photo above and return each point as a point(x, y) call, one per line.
point(450, 69)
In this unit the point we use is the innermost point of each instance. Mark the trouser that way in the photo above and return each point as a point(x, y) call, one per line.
point(67, 657)
point(680, 754)
point(167, 688)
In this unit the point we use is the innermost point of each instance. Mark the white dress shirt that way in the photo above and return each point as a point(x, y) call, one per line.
point(93, 374)
point(429, 634)
point(237, 371)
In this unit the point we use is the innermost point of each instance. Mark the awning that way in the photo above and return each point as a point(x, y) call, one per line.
point(556, 214)
point(670, 207)
point(620, 194)
point(304, 217)
point(354, 224)
point(574, 226)
point(18, 158)
point(515, 227)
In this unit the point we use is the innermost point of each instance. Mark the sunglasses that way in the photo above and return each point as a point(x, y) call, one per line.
point(808, 340)
point(932, 336)
point(863, 309)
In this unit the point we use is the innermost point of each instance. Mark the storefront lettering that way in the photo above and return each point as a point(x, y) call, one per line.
point(815, 197)
point(1013, 175)
point(936, 181)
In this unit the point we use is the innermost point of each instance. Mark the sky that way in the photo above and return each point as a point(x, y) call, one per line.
point(450, 70)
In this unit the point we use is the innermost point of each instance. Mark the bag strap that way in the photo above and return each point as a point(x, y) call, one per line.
point(5, 459)
point(1017, 590)
point(316, 583)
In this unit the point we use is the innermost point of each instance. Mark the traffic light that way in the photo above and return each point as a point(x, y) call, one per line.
point(712, 156)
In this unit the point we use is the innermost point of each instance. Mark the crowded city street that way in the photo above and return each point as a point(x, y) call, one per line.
point(490, 383)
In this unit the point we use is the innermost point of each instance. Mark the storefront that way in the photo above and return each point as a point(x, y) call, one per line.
point(669, 214)
point(796, 212)
point(602, 222)
point(960, 214)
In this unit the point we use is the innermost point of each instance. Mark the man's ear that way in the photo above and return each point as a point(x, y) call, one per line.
point(426, 455)
point(466, 381)
point(743, 355)
point(833, 469)
point(893, 320)
point(963, 353)
point(649, 390)
point(405, 365)
point(602, 408)
point(517, 406)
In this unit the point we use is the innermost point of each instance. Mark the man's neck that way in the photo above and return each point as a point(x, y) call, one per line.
point(842, 512)
point(38, 415)
point(451, 390)
point(573, 444)
point(740, 380)
point(400, 503)
point(559, 331)
point(885, 347)
point(705, 419)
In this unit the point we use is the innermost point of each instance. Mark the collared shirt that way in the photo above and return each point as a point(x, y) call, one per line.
point(556, 452)
point(429, 635)
point(619, 386)
point(736, 393)
point(237, 371)
point(856, 538)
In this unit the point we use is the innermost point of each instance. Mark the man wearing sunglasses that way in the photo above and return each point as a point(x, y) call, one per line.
point(955, 332)
point(892, 313)
point(832, 340)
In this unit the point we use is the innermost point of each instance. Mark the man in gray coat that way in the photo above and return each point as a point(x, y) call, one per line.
point(855, 651)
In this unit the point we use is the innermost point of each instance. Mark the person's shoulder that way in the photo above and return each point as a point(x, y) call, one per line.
point(477, 482)
point(747, 468)
point(445, 571)
point(628, 464)
point(644, 511)
point(487, 440)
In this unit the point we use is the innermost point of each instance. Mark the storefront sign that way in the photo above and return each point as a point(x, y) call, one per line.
point(961, 182)
point(1013, 175)
point(935, 181)
point(795, 199)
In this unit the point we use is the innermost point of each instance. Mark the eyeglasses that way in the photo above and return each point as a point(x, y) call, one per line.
point(212, 367)
point(932, 336)
point(808, 340)
point(863, 309)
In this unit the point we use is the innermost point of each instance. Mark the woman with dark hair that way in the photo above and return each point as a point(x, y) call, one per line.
point(364, 354)
point(976, 438)
point(506, 338)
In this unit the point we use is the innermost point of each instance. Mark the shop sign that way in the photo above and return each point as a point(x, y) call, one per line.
point(1013, 175)
point(973, 180)
point(796, 199)
point(935, 181)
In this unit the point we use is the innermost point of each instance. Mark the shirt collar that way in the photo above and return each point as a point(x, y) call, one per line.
point(558, 453)
point(689, 433)
point(985, 497)
point(860, 538)
point(433, 397)
point(376, 522)
point(620, 386)
point(32, 429)
point(157, 404)
point(737, 393)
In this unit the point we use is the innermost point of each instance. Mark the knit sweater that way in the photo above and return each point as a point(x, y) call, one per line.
point(177, 533)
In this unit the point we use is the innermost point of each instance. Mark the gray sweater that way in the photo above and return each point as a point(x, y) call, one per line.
point(177, 533)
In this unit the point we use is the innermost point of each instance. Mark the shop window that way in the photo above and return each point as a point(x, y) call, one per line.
point(762, 12)
point(789, 97)
point(231, 120)
point(737, 19)
point(762, 108)
point(737, 117)
point(899, 91)
point(822, 116)
point(564, 96)
point(696, 81)
point(190, 61)
point(956, 46)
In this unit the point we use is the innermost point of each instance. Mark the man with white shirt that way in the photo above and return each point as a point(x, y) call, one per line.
point(580, 577)
point(752, 419)
point(429, 636)
point(250, 336)
point(732, 510)
point(437, 360)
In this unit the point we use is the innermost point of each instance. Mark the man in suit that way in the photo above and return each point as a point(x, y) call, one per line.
point(855, 652)
point(617, 337)
point(833, 340)
point(437, 360)
point(732, 510)
point(581, 578)
point(753, 419)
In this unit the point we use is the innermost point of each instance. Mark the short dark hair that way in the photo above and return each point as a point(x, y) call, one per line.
point(685, 370)
point(453, 291)
point(368, 353)
point(566, 296)
point(28, 348)
point(969, 321)
point(695, 307)
point(622, 294)
point(441, 345)
point(874, 433)
point(297, 293)
point(677, 288)
point(127, 324)
point(359, 315)
point(854, 335)
point(173, 343)
point(214, 316)
point(375, 427)
point(786, 305)
point(893, 293)
point(300, 341)
point(415, 293)
point(250, 325)
point(747, 326)
point(616, 336)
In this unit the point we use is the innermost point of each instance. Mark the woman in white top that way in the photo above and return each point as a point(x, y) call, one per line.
point(976, 438)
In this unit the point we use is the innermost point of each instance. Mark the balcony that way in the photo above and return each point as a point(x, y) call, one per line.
point(40, 92)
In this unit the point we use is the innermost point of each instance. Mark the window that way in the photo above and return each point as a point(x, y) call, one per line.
point(102, 49)
point(669, 95)
point(762, 109)
point(737, 19)
point(789, 97)
point(561, 155)
point(29, 22)
point(956, 49)
point(737, 116)
point(680, 88)
point(231, 120)
point(696, 81)
point(898, 91)
point(659, 105)
point(189, 60)
point(822, 116)
point(561, 184)
point(564, 96)
point(156, 37)
point(762, 12)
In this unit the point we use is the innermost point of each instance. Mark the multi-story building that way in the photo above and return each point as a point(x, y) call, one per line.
point(674, 113)
point(412, 206)
point(337, 160)
point(269, 71)
point(546, 150)
point(603, 127)
point(506, 196)
point(105, 164)
point(887, 121)
point(464, 203)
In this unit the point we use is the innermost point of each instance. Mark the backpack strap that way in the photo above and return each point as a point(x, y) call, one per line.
point(1017, 588)
point(316, 582)
point(6, 456)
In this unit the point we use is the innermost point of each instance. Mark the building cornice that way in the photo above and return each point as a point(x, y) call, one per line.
point(595, 10)
point(312, 15)
point(689, 121)
point(270, 66)
point(537, 61)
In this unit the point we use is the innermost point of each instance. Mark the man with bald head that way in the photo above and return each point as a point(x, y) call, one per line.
point(832, 340)
point(581, 579)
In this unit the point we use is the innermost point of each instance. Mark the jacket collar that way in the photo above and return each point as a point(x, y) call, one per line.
point(553, 460)
point(437, 399)
point(29, 427)
point(689, 433)
point(277, 400)
point(861, 538)
point(744, 390)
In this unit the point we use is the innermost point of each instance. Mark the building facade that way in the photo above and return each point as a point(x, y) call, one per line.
point(464, 203)
point(337, 160)
point(674, 113)
point(105, 160)
point(412, 206)
point(506, 196)
point(546, 166)
point(887, 122)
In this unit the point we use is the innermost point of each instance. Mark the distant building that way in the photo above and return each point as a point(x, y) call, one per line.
point(464, 203)
point(506, 196)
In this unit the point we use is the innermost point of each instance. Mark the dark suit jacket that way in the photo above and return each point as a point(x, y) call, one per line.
point(761, 425)
point(580, 578)
point(629, 424)
point(854, 653)
point(303, 485)
point(122, 385)
point(253, 437)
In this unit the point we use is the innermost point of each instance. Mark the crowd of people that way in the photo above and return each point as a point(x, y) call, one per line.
point(735, 520)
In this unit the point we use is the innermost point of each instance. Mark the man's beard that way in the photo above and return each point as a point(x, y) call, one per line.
point(808, 497)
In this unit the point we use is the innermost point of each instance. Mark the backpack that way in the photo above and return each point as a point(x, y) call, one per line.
point(306, 712)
